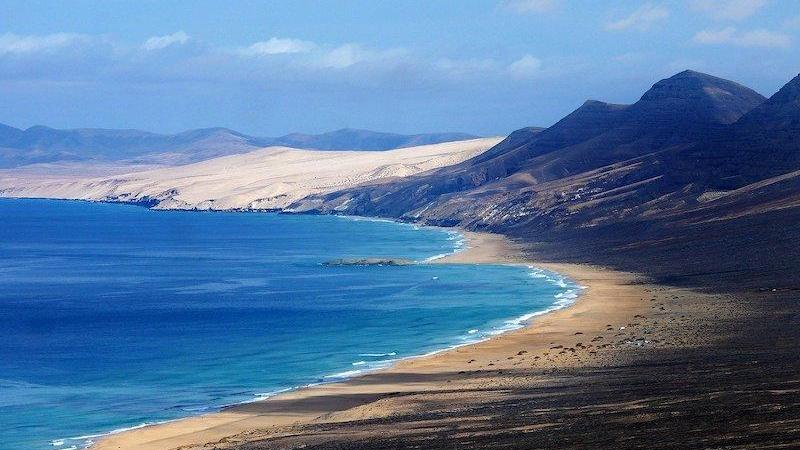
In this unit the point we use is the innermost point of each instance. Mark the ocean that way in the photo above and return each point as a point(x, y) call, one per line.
point(114, 316)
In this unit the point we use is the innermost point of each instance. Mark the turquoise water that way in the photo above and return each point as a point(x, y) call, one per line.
point(115, 315)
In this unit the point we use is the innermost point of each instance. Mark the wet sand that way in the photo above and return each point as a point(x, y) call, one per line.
point(615, 318)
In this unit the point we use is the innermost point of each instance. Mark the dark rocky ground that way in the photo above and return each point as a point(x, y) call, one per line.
point(737, 386)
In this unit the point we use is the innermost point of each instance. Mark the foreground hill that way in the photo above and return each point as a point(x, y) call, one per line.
point(269, 178)
point(39, 144)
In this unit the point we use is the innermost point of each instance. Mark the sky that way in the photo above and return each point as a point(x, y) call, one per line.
point(268, 68)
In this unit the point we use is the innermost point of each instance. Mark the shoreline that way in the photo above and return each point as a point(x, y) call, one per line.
point(361, 397)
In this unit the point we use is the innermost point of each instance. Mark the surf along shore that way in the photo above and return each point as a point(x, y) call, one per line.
point(615, 318)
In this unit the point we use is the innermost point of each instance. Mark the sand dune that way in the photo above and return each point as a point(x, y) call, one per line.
point(269, 178)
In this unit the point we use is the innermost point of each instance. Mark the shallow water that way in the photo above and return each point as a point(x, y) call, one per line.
point(115, 315)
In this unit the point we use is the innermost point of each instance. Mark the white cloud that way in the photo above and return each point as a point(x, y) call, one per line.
point(278, 46)
point(73, 57)
point(343, 56)
point(528, 66)
point(753, 38)
point(14, 44)
point(525, 67)
point(642, 19)
point(352, 54)
point(728, 9)
point(161, 42)
point(532, 6)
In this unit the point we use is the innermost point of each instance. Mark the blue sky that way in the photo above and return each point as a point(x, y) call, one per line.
point(269, 68)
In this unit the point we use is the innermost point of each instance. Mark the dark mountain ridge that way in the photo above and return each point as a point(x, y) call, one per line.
point(764, 143)
point(599, 164)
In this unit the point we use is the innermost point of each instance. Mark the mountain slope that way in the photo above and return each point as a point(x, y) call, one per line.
point(764, 143)
point(600, 163)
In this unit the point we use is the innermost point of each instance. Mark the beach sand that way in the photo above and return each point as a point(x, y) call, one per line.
point(611, 320)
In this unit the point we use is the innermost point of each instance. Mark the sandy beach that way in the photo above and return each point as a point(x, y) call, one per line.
point(608, 317)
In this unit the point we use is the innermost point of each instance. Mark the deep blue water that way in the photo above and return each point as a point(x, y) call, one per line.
point(115, 315)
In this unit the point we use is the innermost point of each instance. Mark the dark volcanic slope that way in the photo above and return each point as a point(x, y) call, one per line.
point(600, 164)
point(762, 144)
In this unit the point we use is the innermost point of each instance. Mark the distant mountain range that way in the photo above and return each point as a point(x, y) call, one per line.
point(41, 144)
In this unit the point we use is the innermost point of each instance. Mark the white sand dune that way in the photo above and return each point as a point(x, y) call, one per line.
point(269, 178)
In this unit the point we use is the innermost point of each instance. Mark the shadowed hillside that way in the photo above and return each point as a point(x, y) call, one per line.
point(600, 164)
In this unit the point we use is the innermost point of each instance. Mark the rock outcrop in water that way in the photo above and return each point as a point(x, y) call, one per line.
point(369, 262)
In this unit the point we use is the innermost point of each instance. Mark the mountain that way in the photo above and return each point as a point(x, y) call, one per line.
point(765, 142)
point(600, 154)
point(710, 202)
point(41, 144)
point(9, 134)
point(693, 148)
point(352, 139)
point(695, 99)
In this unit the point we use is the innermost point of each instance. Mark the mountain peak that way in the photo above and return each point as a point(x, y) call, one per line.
point(691, 84)
point(689, 73)
point(788, 94)
point(695, 97)
point(781, 111)
point(595, 105)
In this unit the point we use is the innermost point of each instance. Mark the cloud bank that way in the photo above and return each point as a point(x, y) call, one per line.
point(179, 57)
